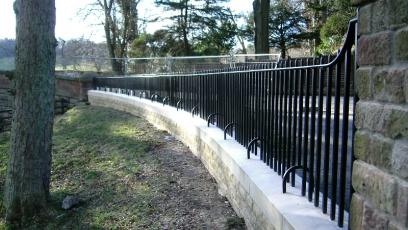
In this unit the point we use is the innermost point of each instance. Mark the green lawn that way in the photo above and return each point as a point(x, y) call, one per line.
point(96, 153)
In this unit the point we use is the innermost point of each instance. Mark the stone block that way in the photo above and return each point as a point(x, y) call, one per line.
point(363, 83)
point(373, 219)
point(364, 20)
point(389, 120)
point(401, 44)
point(388, 85)
point(373, 149)
point(370, 115)
point(397, 122)
point(402, 203)
point(379, 18)
point(375, 49)
point(400, 159)
point(377, 186)
point(356, 211)
point(406, 86)
point(361, 2)
point(398, 13)
point(393, 225)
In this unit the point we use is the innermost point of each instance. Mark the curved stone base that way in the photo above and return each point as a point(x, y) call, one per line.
point(253, 189)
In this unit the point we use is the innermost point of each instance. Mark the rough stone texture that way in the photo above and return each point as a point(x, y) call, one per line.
point(374, 149)
point(378, 187)
point(5, 95)
point(399, 16)
point(401, 44)
point(406, 86)
point(381, 143)
point(363, 83)
point(378, 54)
point(400, 159)
point(74, 87)
point(389, 85)
point(402, 201)
point(387, 119)
point(357, 205)
point(395, 226)
point(361, 2)
point(373, 219)
point(379, 18)
point(364, 20)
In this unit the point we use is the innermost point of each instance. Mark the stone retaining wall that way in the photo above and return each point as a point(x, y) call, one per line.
point(5, 96)
point(253, 189)
point(71, 87)
point(380, 173)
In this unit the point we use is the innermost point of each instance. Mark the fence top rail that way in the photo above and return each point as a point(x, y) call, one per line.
point(349, 41)
point(181, 58)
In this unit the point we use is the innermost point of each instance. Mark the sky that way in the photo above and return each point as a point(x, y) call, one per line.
point(71, 25)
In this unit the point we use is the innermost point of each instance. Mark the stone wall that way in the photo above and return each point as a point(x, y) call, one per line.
point(73, 87)
point(380, 172)
point(252, 188)
point(5, 96)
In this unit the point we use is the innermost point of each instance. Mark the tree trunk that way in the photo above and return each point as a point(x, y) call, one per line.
point(187, 51)
point(29, 168)
point(282, 46)
point(261, 17)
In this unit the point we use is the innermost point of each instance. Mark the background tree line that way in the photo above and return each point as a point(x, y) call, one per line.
point(207, 27)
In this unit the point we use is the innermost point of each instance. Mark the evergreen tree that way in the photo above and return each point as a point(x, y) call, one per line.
point(193, 20)
point(335, 27)
point(286, 25)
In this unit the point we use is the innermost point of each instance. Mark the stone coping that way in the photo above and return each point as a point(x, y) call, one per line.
point(268, 208)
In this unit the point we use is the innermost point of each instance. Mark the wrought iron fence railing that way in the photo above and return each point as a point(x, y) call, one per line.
point(162, 65)
point(298, 116)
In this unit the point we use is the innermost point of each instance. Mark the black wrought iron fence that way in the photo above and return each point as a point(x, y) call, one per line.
point(298, 116)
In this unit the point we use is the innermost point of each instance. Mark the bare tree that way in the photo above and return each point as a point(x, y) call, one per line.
point(29, 168)
point(121, 28)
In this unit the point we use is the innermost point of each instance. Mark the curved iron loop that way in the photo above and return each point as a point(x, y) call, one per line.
point(231, 124)
point(194, 110)
point(155, 95)
point(293, 168)
point(252, 142)
point(165, 99)
point(178, 105)
point(212, 116)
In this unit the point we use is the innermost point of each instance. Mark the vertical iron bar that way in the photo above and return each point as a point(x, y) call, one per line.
point(327, 130)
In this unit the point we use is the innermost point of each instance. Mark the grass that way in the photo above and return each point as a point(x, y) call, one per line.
point(96, 153)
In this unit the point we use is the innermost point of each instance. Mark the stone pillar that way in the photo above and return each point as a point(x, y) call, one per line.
point(380, 172)
point(74, 86)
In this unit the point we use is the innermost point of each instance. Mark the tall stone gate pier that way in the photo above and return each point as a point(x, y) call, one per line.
point(380, 172)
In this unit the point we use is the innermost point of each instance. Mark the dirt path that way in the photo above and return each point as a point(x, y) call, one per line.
point(127, 175)
point(187, 195)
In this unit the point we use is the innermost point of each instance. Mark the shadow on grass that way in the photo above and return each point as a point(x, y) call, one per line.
point(97, 155)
